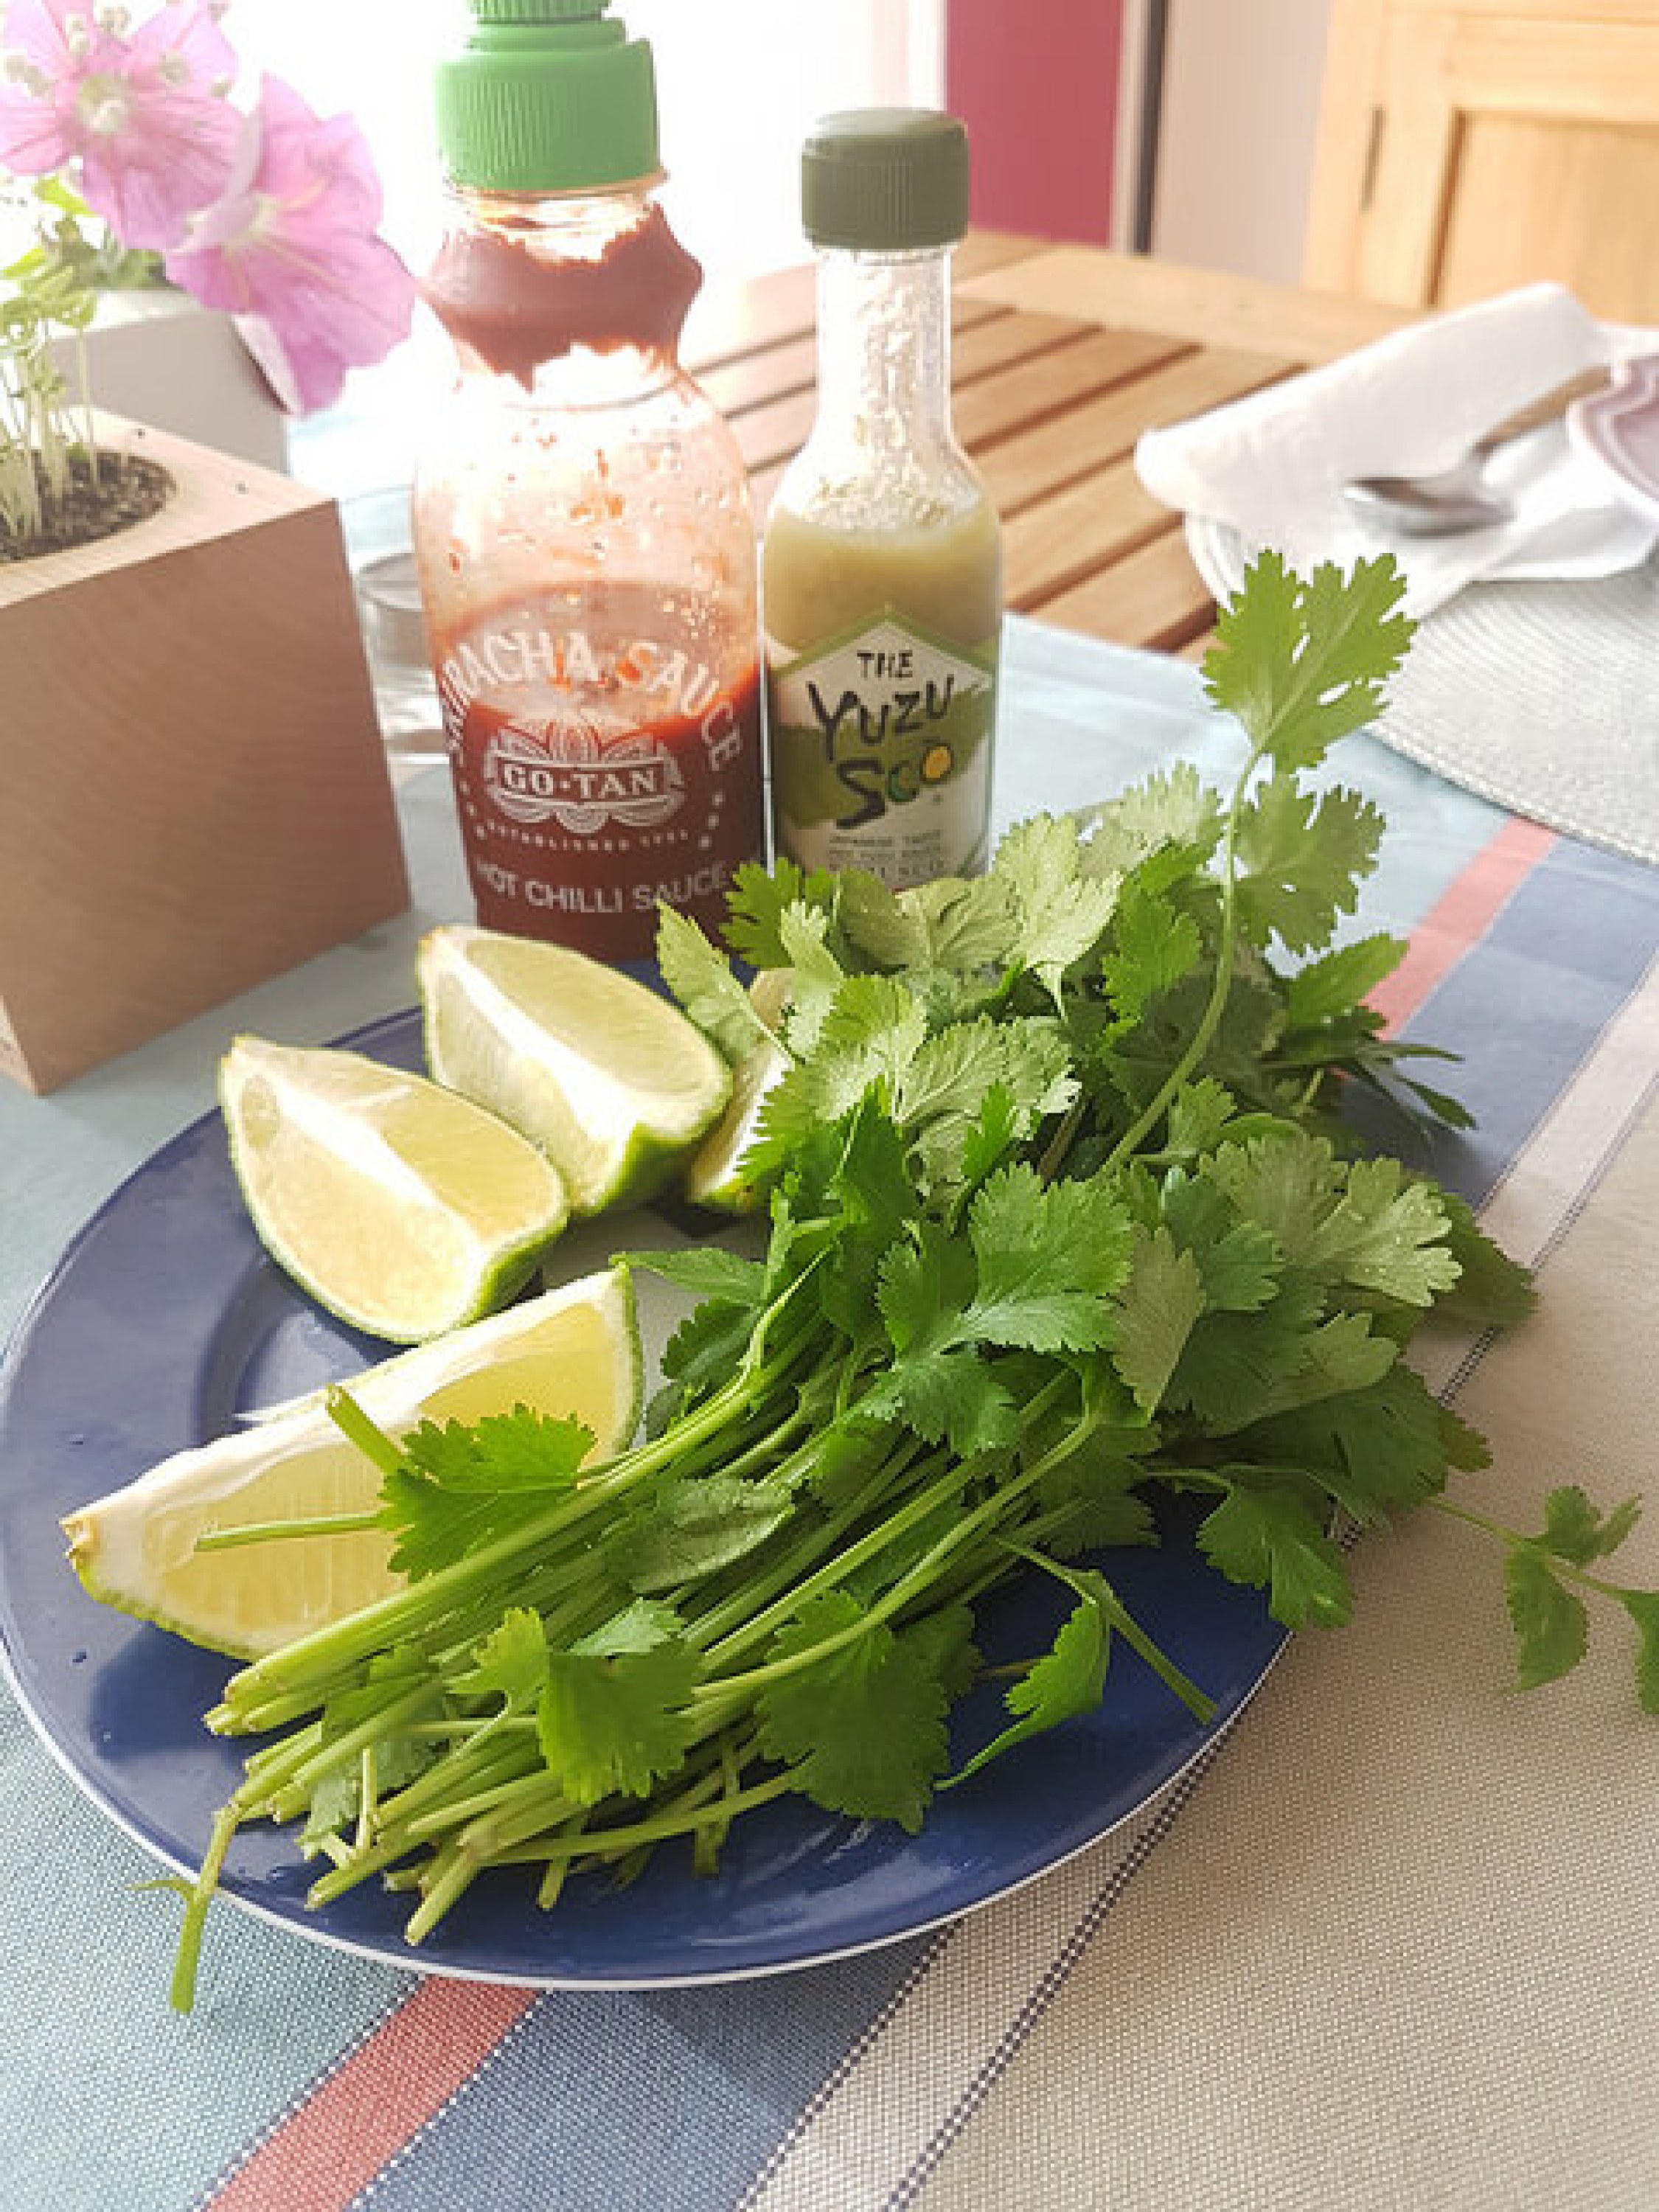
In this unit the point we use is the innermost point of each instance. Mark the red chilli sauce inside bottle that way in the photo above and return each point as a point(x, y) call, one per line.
point(582, 520)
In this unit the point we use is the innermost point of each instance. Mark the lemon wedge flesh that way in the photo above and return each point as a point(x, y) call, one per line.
point(401, 1207)
point(571, 1351)
point(612, 1082)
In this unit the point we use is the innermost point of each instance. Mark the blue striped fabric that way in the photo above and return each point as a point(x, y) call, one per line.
point(674, 2099)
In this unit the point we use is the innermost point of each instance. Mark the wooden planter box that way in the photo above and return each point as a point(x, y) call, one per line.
point(193, 792)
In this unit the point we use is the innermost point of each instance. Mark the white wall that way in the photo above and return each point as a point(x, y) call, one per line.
point(738, 81)
point(1240, 114)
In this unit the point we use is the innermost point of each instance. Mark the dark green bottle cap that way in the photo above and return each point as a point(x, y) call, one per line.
point(548, 96)
point(887, 179)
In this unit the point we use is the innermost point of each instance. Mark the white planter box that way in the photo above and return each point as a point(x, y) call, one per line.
point(157, 357)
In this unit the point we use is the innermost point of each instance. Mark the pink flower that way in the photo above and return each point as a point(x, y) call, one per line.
point(144, 112)
point(291, 251)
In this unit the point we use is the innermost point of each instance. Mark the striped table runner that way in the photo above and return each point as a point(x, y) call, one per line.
point(1367, 1951)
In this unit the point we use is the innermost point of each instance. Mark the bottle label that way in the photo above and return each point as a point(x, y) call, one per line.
point(600, 771)
point(881, 745)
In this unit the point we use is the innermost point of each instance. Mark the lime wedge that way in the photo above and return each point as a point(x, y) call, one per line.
point(613, 1083)
point(403, 1209)
point(575, 1350)
point(715, 1177)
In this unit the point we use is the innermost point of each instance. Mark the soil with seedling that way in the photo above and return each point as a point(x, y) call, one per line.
point(105, 493)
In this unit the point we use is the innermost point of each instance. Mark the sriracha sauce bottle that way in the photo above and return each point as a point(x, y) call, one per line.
point(582, 520)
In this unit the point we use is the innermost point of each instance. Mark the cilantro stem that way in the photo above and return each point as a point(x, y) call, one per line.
point(1567, 1569)
point(267, 1532)
point(758, 1626)
point(661, 1828)
point(1221, 984)
point(187, 1959)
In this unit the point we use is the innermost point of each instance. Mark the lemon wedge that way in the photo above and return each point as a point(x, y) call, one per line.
point(401, 1207)
point(613, 1083)
point(571, 1351)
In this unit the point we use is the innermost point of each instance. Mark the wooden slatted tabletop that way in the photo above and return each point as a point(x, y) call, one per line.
point(1063, 355)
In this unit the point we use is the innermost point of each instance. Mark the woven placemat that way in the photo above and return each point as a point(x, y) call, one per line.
point(1544, 697)
point(1541, 695)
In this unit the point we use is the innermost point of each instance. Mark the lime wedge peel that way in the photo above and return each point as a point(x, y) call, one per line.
point(614, 1082)
point(573, 1350)
point(401, 1207)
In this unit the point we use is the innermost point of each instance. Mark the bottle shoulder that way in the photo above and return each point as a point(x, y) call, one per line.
point(882, 486)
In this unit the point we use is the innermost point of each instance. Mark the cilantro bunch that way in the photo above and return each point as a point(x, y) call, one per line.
point(1066, 1236)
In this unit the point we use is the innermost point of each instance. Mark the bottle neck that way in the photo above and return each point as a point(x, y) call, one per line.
point(884, 348)
point(522, 280)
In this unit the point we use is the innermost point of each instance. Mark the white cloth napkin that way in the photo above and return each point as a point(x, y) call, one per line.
point(1270, 466)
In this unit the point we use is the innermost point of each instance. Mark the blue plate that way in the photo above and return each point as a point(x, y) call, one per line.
point(164, 1320)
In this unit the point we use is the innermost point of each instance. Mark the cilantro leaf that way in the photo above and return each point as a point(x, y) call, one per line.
point(922, 1286)
point(1234, 1365)
point(861, 1725)
point(1327, 988)
point(950, 1073)
point(1171, 812)
point(1549, 1620)
point(1063, 914)
point(1271, 1537)
point(1066, 1680)
point(610, 1717)
point(1198, 1116)
point(705, 1271)
point(462, 1486)
point(947, 1397)
point(757, 900)
point(1302, 664)
point(1378, 1451)
point(1153, 948)
point(867, 1040)
point(1491, 1290)
point(692, 1526)
point(996, 1125)
point(1160, 1304)
point(511, 1662)
point(1301, 860)
point(1577, 1531)
point(701, 978)
point(1287, 1182)
point(1643, 1606)
point(1386, 1233)
point(1049, 1258)
point(962, 925)
point(1238, 1259)
point(815, 975)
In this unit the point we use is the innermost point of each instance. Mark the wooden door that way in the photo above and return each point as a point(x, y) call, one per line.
point(1466, 148)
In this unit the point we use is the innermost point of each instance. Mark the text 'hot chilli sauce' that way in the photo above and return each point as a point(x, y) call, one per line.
point(582, 519)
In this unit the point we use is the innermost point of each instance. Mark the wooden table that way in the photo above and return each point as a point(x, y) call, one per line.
point(1063, 355)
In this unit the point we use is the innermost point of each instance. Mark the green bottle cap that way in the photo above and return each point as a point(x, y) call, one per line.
point(548, 96)
point(887, 179)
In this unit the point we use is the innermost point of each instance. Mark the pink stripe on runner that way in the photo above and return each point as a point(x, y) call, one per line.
point(1461, 916)
point(380, 2096)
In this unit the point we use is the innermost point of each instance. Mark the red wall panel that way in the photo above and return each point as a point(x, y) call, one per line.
point(1036, 81)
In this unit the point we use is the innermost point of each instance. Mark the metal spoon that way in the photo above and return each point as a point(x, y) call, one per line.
point(1458, 498)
